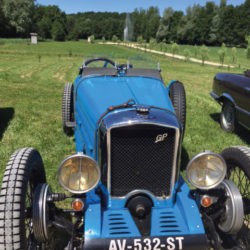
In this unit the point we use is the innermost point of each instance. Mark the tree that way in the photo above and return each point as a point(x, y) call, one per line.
point(51, 22)
point(204, 53)
point(187, 54)
point(139, 21)
point(214, 29)
point(234, 55)
point(222, 53)
point(152, 43)
point(19, 14)
point(165, 25)
point(248, 47)
point(188, 32)
point(58, 31)
point(3, 21)
point(153, 20)
point(203, 22)
point(223, 3)
point(175, 48)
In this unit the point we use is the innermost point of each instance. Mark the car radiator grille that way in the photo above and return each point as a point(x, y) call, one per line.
point(138, 162)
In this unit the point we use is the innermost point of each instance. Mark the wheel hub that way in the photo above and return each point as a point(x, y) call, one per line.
point(232, 220)
point(40, 213)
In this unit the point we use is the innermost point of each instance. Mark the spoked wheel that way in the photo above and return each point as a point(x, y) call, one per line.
point(238, 164)
point(227, 117)
point(23, 173)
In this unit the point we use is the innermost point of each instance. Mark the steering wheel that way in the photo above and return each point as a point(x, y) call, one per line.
point(100, 59)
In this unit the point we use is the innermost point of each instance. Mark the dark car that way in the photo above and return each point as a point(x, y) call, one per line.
point(124, 183)
point(232, 91)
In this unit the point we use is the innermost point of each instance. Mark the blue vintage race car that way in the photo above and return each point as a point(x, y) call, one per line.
point(124, 182)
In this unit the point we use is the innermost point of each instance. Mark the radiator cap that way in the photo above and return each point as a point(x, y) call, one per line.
point(142, 110)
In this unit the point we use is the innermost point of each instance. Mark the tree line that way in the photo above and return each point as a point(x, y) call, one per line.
point(210, 24)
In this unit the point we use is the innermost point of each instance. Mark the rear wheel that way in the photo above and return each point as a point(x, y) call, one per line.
point(227, 117)
point(178, 97)
point(238, 170)
point(67, 109)
point(23, 173)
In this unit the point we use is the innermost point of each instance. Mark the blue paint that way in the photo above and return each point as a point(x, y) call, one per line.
point(93, 96)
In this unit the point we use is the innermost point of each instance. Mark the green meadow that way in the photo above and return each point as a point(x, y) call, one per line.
point(32, 79)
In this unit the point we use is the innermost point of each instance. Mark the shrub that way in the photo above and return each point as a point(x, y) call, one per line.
point(204, 53)
point(234, 55)
point(187, 54)
point(222, 53)
point(174, 48)
point(114, 39)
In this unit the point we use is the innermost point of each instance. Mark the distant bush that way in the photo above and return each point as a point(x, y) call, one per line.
point(114, 39)
point(248, 52)
point(234, 55)
point(248, 47)
point(187, 54)
point(174, 48)
point(204, 53)
point(222, 53)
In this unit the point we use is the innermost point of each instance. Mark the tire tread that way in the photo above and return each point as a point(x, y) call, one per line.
point(12, 196)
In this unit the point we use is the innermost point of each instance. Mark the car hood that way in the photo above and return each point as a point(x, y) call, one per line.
point(101, 92)
point(236, 78)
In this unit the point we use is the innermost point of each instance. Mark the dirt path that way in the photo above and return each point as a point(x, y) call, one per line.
point(191, 59)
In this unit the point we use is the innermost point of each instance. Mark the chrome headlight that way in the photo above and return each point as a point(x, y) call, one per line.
point(78, 174)
point(206, 170)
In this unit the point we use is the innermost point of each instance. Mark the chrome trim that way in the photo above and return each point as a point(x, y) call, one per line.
point(174, 164)
point(243, 111)
point(79, 154)
point(46, 191)
point(141, 191)
point(206, 152)
point(108, 160)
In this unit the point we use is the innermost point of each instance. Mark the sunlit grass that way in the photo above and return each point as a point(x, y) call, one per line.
point(32, 80)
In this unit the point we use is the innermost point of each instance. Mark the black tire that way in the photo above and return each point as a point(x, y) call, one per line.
point(228, 117)
point(238, 170)
point(178, 97)
point(23, 173)
point(67, 108)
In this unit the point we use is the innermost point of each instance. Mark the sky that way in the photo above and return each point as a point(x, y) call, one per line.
point(74, 6)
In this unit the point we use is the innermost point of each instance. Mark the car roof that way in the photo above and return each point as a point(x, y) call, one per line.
point(97, 71)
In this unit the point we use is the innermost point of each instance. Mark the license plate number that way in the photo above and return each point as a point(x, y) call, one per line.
point(169, 243)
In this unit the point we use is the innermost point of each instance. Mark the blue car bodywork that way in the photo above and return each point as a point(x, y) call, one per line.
point(124, 180)
point(109, 98)
point(95, 94)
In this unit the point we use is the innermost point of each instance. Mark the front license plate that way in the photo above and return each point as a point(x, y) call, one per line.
point(149, 243)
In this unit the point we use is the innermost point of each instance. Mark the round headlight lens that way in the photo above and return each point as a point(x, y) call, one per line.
point(206, 170)
point(78, 174)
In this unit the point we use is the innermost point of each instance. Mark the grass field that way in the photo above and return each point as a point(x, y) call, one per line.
point(241, 60)
point(32, 80)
